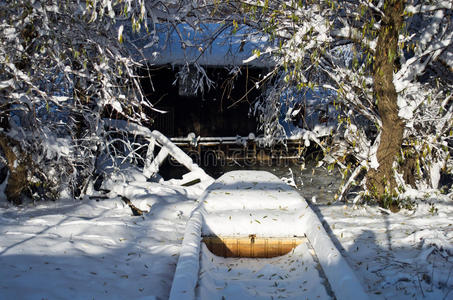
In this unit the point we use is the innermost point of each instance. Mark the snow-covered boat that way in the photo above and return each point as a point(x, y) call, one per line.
point(254, 237)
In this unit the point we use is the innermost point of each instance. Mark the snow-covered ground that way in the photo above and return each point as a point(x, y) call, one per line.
point(93, 249)
point(96, 249)
point(407, 255)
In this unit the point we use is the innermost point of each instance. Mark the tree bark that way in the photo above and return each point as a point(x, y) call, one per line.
point(18, 170)
point(382, 181)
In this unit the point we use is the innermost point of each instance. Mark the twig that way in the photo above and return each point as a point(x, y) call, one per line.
point(350, 182)
point(420, 285)
point(445, 297)
point(432, 273)
point(135, 210)
point(98, 197)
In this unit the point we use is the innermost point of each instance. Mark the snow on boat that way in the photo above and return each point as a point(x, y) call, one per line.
point(254, 237)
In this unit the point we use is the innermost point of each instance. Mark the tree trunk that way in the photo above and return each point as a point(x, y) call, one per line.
point(382, 181)
point(18, 170)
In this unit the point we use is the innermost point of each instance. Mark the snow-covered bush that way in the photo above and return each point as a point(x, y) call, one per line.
point(65, 68)
point(62, 70)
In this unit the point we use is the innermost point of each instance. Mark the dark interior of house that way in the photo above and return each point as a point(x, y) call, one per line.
point(223, 110)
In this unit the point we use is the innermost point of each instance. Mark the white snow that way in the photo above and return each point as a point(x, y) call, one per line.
point(291, 276)
point(7, 83)
point(188, 263)
point(435, 174)
point(92, 249)
point(407, 255)
point(96, 249)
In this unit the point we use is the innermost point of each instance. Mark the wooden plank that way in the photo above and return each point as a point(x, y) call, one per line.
point(251, 246)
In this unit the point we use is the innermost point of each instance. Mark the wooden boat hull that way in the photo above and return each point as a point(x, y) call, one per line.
point(247, 219)
point(251, 246)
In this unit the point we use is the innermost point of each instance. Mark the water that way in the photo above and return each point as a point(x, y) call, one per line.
point(315, 184)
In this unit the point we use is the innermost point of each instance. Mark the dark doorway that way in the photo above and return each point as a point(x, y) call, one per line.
point(223, 110)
